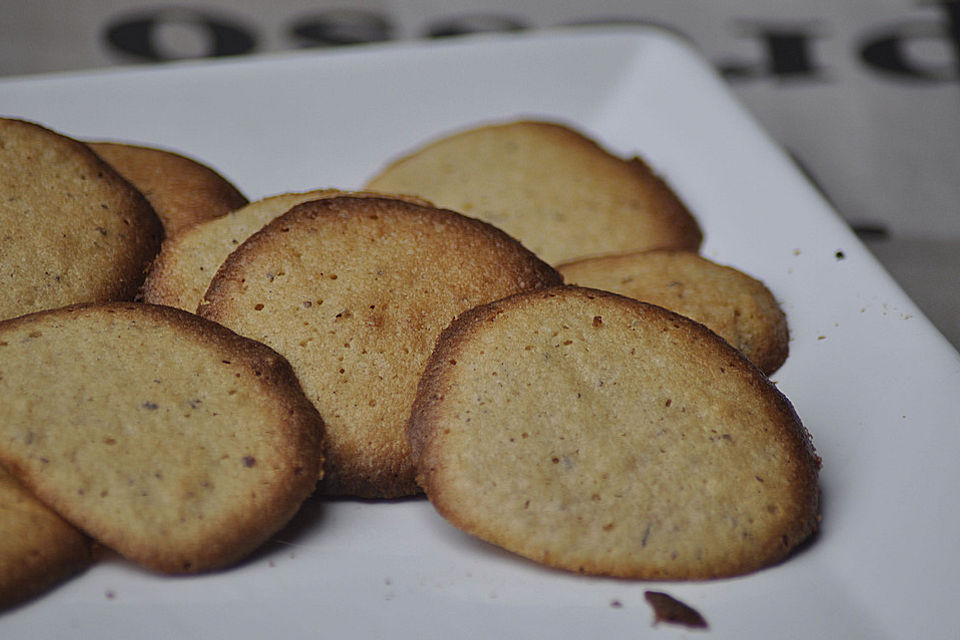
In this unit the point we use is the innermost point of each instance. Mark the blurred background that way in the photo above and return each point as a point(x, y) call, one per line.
point(864, 94)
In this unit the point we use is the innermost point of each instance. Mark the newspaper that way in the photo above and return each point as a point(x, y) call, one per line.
point(865, 94)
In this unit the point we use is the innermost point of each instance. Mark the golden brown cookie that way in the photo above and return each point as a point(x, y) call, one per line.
point(738, 307)
point(354, 291)
point(552, 188)
point(182, 190)
point(71, 229)
point(166, 437)
point(602, 435)
point(38, 548)
point(188, 261)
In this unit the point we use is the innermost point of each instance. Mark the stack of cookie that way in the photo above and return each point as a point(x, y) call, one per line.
point(511, 319)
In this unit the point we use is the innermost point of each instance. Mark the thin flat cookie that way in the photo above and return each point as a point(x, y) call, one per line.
point(602, 435)
point(555, 190)
point(38, 548)
point(354, 291)
point(166, 437)
point(736, 306)
point(183, 191)
point(71, 228)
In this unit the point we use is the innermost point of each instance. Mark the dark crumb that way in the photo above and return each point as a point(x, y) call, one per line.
point(839, 255)
point(616, 604)
point(668, 609)
point(111, 595)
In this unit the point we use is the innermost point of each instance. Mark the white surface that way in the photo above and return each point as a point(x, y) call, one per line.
point(873, 381)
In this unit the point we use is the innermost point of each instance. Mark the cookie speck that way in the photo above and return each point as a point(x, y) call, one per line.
point(668, 609)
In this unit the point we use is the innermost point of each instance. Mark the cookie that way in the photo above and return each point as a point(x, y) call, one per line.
point(738, 307)
point(183, 191)
point(602, 435)
point(552, 188)
point(71, 228)
point(166, 437)
point(188, 261)
point(38, 548)
point(354, 291)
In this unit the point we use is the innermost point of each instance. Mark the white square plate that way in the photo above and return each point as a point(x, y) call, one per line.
point(876, 385)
